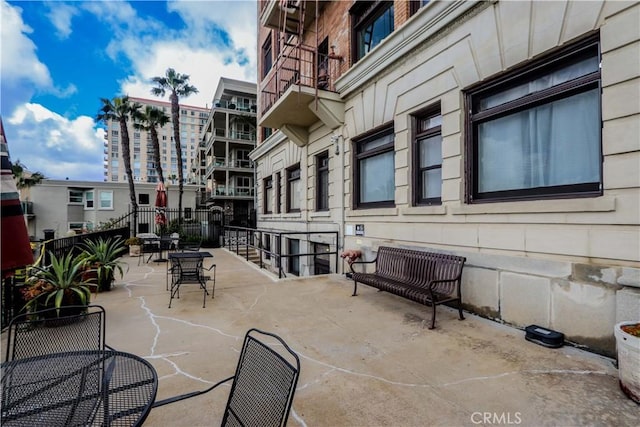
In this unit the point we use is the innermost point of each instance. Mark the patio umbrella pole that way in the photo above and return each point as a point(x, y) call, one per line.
point(161, 217)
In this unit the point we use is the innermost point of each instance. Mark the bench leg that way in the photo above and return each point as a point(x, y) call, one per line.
point(460, 309)
point(433, 316)
point(355, 288)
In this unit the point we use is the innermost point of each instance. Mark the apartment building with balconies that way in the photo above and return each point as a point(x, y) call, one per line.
point(223, 166)
point(505, 132)
point(192, 120)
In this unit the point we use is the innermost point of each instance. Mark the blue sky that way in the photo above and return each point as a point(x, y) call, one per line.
point(59, 58)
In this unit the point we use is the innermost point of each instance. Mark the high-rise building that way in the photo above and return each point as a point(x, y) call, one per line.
point(192, 120)
point(223, 167)
point(502, 131)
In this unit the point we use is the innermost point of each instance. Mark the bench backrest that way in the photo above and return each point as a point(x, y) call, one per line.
point(419, 268)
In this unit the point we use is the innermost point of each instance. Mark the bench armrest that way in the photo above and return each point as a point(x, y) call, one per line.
point(360, 262)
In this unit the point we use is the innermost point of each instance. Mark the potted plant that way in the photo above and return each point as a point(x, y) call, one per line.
point(101, 258)
point(57, 285)
point(628, 345)
point(135, 245)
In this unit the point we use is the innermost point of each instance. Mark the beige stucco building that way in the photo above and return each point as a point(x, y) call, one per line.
point(69, 205)
point(506, 132)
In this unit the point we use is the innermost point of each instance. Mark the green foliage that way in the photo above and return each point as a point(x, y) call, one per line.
point(102, 256)
point(134, 241)
point(60, 283)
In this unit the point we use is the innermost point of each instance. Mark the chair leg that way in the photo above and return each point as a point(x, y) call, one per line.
point(213, 290)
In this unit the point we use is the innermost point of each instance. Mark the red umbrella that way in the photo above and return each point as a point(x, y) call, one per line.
point(16, 250)
point(161, 204)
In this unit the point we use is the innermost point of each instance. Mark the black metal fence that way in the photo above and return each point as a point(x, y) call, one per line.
point(285, 251)
point(12, 301)
point(203, 225)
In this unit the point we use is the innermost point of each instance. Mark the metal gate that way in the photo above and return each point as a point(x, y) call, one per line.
point(204, 225)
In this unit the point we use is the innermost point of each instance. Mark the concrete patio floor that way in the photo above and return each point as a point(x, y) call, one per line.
point(366, 361)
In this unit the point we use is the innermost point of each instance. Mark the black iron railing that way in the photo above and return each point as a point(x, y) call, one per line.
point(267, 249)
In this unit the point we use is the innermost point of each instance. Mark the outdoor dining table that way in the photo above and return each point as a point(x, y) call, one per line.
point(95, 388)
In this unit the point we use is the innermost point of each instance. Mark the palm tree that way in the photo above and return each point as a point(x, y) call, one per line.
point(149, 120)
point(25, 180)
point(179, 86)
point(120, 109)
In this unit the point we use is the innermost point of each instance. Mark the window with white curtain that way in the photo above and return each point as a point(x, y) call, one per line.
point(374, 171)
point(536, 133)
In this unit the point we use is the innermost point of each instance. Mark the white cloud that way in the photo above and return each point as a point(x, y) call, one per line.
point(56, 146)
point(209, 46)
point(61, 15)
point(19, 61)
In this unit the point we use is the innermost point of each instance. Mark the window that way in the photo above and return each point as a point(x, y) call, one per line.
point(294, 189)
point(187, 213)
point(88, 200)
point(143, 199)
point(321, 264)
point(143, 227)
point(322, 181)
point(267, 57)
point(294, 261)
point(106, 200)
point(268, 195)
point(415, 5)
point(267, 246)
point(278, 192)
point(372, 22)
point(536, 133)
point(427, 158)
point(76, 197)
point(374, 171)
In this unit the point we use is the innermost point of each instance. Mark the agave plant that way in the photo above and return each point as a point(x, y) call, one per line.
point(59, 283)
point(101, 257)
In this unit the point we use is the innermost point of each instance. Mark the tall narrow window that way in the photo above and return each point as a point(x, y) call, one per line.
point(322, 181)
point(88, 199)
point(278, 192)
point(294, 261)
point(374, 169)
point(372, 22)
point(268, 195)
point(267, 56)
point(294, 189)
point(536, 132)
point(427, 158)
point(321, 263)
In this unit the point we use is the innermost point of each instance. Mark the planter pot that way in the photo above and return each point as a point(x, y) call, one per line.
point(91, 276)
point(134, 250)
point(628, 361)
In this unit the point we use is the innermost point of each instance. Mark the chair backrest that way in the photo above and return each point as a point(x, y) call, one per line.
point(44, 332)
point(264, 383)
point(186, 269)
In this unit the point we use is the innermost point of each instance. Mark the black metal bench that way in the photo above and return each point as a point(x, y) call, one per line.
point(426, 277)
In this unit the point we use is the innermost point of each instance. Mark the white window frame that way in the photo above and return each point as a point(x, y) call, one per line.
point(105, 208)
point(89, 202)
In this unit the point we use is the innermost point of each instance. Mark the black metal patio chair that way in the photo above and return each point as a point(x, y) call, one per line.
point(263, 385)
point(190, 271)
point(44, 332)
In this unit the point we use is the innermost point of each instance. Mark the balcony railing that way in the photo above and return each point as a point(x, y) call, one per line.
point(303, 66)
point(233, 191)
point(230, 105)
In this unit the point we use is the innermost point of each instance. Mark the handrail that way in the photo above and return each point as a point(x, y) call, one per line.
point(254, 237)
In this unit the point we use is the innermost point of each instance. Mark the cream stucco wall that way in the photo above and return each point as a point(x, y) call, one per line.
point(570, 264)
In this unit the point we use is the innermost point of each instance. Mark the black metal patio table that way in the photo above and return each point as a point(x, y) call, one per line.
point(80, 388)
